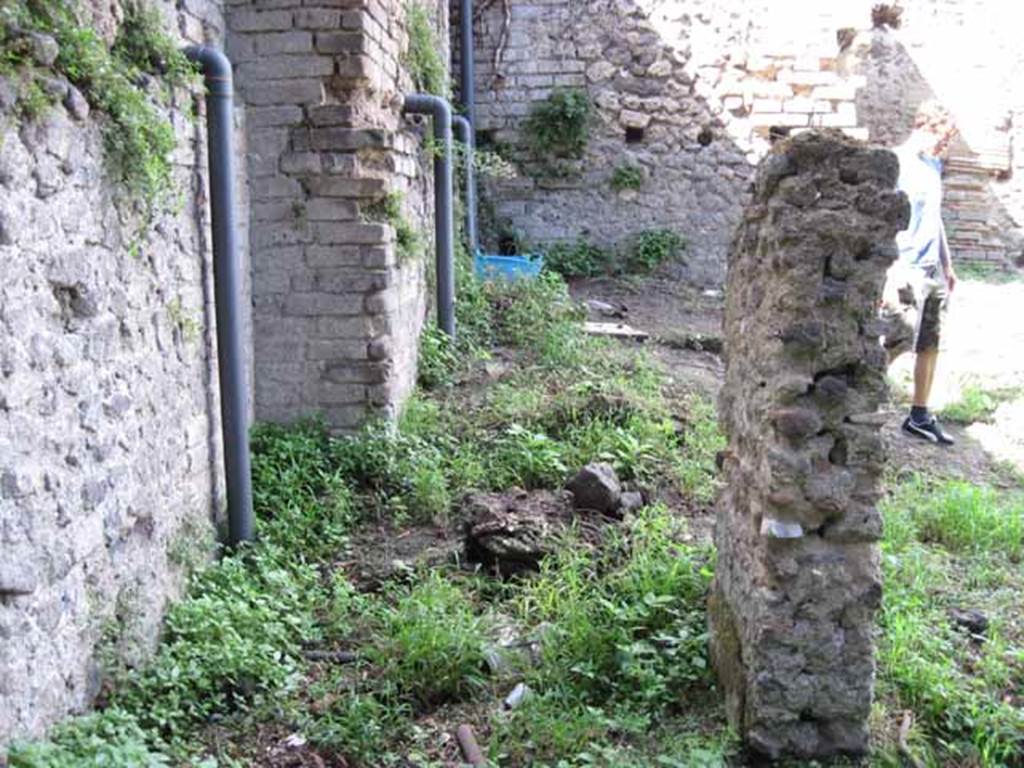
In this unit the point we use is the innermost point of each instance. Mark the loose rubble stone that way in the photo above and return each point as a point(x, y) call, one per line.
point(630, 501)
point(797, 582)
point(76, 104)
point(512, 532)
point(8, 93)
point(596, 487)
point(44, 49)
point(971, 619)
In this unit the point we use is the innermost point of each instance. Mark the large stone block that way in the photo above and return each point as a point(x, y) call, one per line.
point(798, 576)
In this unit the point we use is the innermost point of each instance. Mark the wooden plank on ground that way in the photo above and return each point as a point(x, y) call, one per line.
point(615, 330)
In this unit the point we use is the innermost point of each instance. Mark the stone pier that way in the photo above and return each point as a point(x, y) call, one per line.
point(798, 579)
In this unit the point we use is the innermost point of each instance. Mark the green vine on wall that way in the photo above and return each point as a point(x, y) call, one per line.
point(138, 139)
point(423, 56)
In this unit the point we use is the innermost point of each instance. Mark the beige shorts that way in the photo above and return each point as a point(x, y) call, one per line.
point(913, 309)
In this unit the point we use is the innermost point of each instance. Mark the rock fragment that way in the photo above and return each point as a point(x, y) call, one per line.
point(596, 488)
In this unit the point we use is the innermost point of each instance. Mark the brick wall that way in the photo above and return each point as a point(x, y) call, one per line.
point(336, 313)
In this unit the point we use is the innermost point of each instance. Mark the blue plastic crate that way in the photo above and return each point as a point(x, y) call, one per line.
point(491, 266)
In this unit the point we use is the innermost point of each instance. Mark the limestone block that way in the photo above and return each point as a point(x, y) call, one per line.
point(632, 119)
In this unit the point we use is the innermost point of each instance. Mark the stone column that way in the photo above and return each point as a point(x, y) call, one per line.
point(798, 579)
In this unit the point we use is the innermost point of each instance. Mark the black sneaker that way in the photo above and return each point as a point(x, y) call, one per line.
point(928, 429)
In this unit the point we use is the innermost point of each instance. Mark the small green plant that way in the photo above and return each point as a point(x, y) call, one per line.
point(560, 125)
point(388, 209)
point(530, 459)
point(654, 247)
point(433, 642)
point(577, 259)
point(423, 56)
point(33, 100)
point(143, 43)
point(627, 177)
point(438, 358)
point(111, 738)
point(977, 404)
point(187, 325)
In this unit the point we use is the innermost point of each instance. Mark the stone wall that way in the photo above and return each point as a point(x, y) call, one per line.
point(708, 82)
point(337, 313)
point(646, 115)
point(109, 439)
point(798, 580)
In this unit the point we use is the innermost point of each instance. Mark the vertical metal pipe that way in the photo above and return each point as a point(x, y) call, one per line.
point(468, 82)
point(227, 278)
point(444, 236)
point(464, 133)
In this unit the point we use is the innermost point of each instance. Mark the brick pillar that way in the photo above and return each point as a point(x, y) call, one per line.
point(336, 316)
point(798, 577)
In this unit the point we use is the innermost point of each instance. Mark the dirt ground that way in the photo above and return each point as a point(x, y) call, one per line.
point(983, 345)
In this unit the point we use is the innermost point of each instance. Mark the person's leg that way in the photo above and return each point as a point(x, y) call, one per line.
point(920, 423)
point(924, 375)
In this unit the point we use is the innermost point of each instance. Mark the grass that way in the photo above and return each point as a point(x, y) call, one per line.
point(977, 404)
point(997, 274)
point(610, 634)
point(621, 623)
point(950, 545)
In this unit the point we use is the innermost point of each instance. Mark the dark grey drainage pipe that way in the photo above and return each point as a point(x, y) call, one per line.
point(464, 133)
point(467, 84)
point(227, 289)
point(439, 109)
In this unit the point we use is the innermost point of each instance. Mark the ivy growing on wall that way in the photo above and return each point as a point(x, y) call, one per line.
point(138, 139)
point(423, 56)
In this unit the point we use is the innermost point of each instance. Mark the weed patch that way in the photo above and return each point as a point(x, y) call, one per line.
point(560, 125)
point(654, 247)
point(578, 259)
point(950, 546)
point(138, 139)
point(619, 621)
point(423, 55)
point(977, 404)
point(627, 177)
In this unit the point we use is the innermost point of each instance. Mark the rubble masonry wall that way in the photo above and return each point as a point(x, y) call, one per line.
point(797, 581)
point(110, 479)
